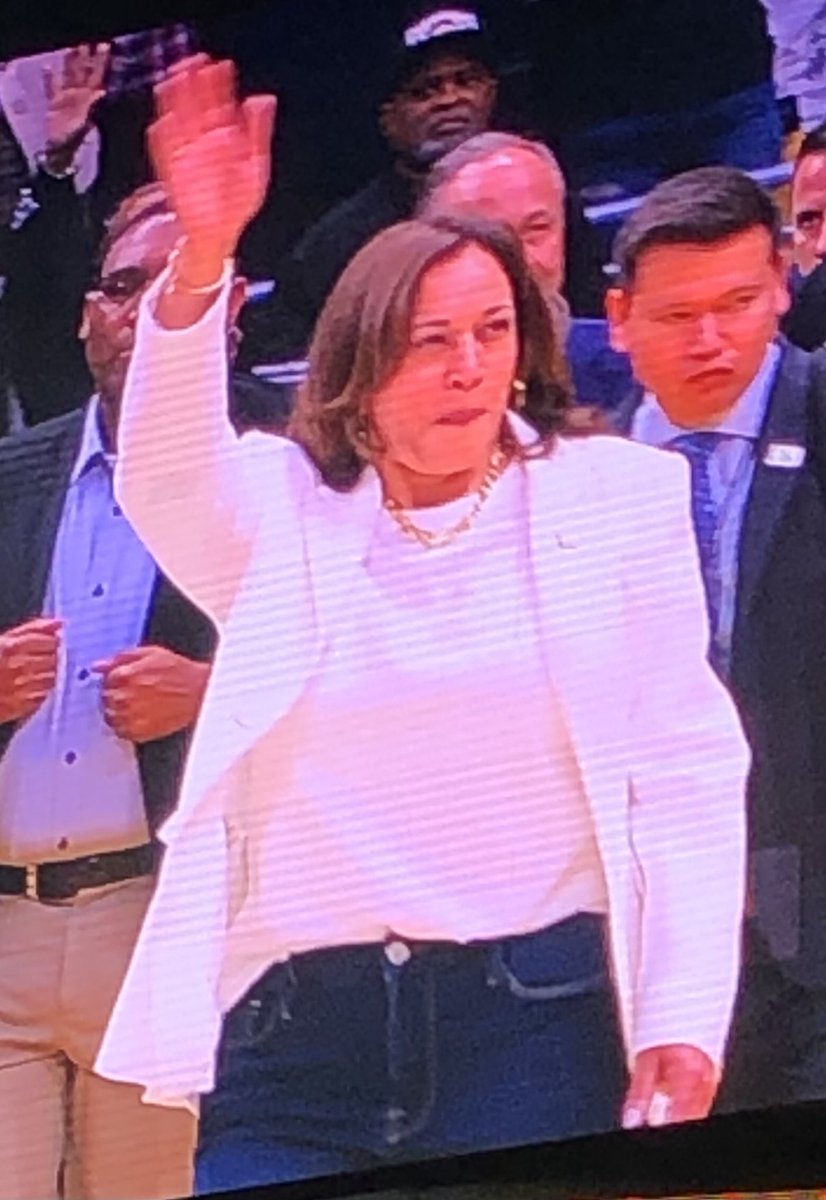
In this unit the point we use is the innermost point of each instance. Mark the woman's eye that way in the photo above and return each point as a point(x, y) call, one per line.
point(430, 340)
point(496, 328)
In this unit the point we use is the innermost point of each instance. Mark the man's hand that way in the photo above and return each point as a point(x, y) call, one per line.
point(70, 99)
point(28, 667)
point(150, 692)
point(670, 1084)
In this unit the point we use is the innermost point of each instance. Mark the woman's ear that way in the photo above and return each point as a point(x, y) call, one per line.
point(84, 330)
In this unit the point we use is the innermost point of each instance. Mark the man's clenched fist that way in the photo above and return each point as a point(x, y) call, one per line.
point(28, 667)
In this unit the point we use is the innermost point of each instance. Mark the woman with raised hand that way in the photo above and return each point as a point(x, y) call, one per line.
point(458, 859)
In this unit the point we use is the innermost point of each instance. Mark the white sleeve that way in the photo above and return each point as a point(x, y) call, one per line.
point(193, 490)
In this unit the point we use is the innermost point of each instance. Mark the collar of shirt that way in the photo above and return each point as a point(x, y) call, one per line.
point(744, 420)
point(92, 450)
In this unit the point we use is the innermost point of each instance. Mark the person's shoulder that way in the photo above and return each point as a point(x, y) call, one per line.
point(617, 457)
point(627, 478)
point(38, 459)
point(803, 374)
point(279, 465)
point(798, 369)
point(374, 203)
point(798, 394)
point(30, 445)
point(814, 359)
point(271, 447)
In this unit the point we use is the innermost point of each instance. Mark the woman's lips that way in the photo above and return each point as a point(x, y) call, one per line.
point(461, 416)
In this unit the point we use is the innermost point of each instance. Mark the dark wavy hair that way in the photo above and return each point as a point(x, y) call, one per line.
point(703, 206)
point(363, 333)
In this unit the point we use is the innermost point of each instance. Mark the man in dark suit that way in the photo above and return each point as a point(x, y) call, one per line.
point(697, 309)
point(103, 665)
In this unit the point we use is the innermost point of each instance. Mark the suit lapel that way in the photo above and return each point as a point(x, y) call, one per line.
point(273, 643)
point(338, 530)
point(780, 458)
point(579, 604)
point(39, 506)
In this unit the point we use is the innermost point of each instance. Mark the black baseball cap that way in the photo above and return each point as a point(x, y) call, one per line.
point(435, 31)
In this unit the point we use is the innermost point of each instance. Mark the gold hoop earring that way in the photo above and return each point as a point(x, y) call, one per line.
point(519, 394)
point(362, 433)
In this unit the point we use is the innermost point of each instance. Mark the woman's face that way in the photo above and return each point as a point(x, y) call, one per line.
point(442, 410)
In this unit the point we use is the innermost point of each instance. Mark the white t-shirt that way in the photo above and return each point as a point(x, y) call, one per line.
point(428, 787)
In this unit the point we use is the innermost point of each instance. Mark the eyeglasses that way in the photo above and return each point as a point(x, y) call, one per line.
point(122, 286)
point(810, 220)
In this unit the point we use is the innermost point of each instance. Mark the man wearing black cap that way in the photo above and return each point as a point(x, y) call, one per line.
point(440, 89)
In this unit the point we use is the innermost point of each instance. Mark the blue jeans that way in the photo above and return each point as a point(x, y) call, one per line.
point(343, 1060)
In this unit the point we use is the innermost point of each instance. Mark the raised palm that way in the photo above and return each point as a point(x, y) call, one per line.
point(211, 152)
point(72, 92)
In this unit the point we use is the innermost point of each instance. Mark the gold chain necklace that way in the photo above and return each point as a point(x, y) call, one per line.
point(432, 539)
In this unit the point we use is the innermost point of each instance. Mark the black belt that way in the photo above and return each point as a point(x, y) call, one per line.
point(55, 881)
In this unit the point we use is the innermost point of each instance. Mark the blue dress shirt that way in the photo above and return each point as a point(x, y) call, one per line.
point(68, 785)
point(731, 472)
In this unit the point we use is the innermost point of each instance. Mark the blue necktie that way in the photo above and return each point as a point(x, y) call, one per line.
point(699, 449)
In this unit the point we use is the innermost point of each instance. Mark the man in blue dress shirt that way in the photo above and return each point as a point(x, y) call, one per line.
point(701, 295)
point(103, 666)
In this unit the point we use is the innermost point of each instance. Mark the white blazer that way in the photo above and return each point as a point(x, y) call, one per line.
point(247, 530)
point(23, 101)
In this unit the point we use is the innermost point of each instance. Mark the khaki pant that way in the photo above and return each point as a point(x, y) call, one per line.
point(64, 1131)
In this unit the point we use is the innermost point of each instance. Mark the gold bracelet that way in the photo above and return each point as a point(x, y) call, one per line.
point(208, 289)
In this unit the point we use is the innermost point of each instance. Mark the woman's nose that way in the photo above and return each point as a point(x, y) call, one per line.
point(465, 370)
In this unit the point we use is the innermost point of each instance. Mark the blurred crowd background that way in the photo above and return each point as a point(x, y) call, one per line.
point(624, 92)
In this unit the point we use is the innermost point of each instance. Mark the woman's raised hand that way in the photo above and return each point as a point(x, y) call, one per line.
point(212, 153)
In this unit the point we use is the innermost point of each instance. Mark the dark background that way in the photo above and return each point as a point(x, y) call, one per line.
point(565, 64)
